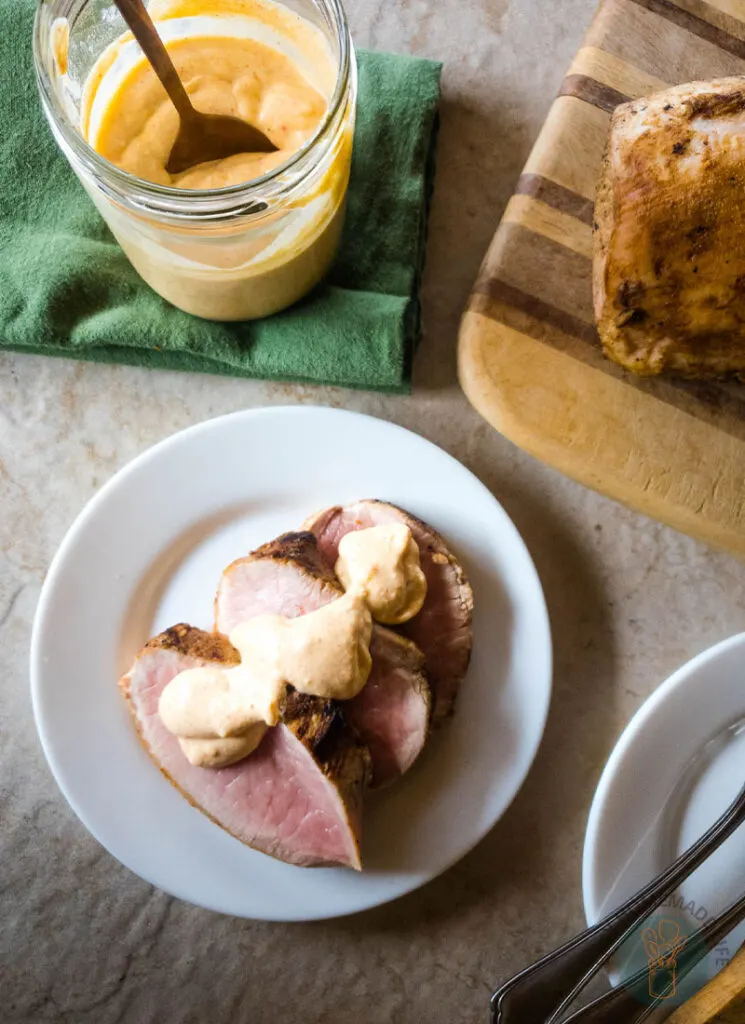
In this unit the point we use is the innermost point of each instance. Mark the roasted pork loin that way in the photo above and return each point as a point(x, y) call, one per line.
point(669, 263)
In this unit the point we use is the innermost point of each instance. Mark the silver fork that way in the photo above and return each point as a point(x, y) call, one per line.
point(622, 1004)
point(543, 992)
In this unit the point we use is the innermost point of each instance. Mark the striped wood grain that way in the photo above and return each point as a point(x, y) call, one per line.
point(529, 355)
point(722, 1001)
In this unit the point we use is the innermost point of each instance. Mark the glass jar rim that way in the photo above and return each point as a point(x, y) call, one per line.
point(270, 185)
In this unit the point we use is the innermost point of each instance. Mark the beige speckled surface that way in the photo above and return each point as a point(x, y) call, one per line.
point(82, 941)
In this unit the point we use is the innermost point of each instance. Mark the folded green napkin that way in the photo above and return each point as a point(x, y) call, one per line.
point(66, 288)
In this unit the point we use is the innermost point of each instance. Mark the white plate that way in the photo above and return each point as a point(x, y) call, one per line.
point(148, 552)
point(676, 768)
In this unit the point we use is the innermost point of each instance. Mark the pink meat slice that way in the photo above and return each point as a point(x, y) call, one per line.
point(442, 629)
point(286, 577)
point(298, 797)
point(289, 577)
point(393, 711)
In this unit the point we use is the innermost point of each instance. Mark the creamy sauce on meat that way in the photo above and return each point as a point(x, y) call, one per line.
point(324, 654)
point(214, 713)
point(220, 715)
point(220, 753)
point(382, 563)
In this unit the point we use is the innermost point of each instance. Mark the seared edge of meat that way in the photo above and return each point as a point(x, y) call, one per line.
point(300, 547)
point(322, 727)
point(601, 231)
point(192, 643)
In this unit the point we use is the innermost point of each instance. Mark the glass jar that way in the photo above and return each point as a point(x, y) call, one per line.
point(234, 253)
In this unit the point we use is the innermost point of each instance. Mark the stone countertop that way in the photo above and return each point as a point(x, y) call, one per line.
point(82, 940)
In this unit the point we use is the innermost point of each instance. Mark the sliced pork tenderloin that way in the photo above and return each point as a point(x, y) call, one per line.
point(297, 797)
point(286, 577)
point(289, 577)
point(442, 629)
point(393, 711)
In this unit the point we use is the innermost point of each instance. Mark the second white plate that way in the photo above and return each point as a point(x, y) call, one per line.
point(148, 551)
point(675, 770)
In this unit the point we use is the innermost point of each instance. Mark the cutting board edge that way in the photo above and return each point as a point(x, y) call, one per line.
point(487, 398)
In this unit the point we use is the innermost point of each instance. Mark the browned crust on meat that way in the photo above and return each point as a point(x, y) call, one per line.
point(191, 643)
point(718, 103)
point(319, 725)
point(465, 597)
point(604, 216)
point(653, 310)
point(195, 643)
point(301, 548)
point(601, 229)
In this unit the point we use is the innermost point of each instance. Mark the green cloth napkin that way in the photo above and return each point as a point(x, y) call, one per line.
point(66, 288)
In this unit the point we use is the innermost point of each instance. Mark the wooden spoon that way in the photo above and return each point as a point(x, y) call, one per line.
point(201, 137)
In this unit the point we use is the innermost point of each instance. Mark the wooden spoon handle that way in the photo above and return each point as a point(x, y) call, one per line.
point(141, 25)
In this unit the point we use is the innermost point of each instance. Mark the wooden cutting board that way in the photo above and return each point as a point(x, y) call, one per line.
point(722, 1001)
point(529, 356)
